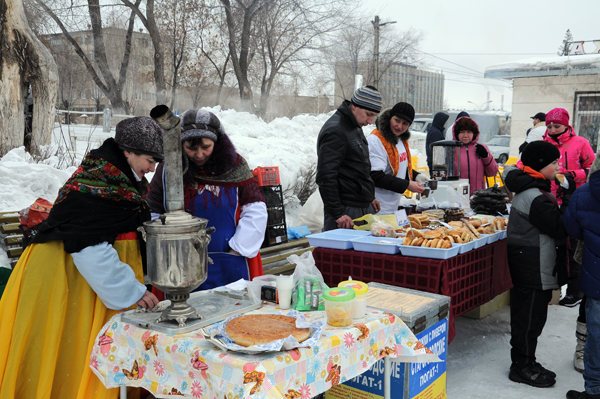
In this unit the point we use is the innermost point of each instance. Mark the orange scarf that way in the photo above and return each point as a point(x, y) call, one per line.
point(392, 153)
point(532, 172)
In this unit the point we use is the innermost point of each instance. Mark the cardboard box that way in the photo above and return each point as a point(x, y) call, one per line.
point(427, 316)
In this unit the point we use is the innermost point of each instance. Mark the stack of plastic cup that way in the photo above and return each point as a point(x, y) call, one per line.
point(285, 284)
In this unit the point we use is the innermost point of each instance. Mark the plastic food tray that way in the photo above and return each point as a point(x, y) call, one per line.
point(433, 253)
point(480, 242)
point(350, 232)
point(491, 237)
point(370, 244)
point(502, 234)
point(333, 239)
point(462, 248)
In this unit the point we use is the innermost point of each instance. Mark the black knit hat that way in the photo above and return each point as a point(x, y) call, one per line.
point(367, 98)
point(539, 154)
point(404, 111)
point(140, 134)
point(200, 123)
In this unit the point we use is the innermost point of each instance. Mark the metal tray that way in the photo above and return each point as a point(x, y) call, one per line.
point(212, 305)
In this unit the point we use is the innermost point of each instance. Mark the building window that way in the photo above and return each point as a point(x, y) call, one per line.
point(55, 41)
point(138, 95)
point(587, 116)
point(83, 95)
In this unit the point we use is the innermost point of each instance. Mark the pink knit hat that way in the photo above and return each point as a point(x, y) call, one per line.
point(558, 116)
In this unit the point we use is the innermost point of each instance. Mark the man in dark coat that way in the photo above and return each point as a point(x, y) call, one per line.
point(343, 166)
point(435, 133)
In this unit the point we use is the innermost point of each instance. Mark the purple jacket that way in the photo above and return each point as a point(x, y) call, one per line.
point(473, 167)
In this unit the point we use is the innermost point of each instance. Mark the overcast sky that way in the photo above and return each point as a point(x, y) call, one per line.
point(464, 37)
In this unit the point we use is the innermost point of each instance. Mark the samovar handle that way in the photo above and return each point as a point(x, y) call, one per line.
point(202, 240)
point(142, 230)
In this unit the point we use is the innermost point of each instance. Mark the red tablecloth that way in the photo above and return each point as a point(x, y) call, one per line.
point(470, 279)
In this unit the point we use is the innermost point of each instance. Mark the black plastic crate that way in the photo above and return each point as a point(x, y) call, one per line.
point(276, 215)
point(273, 195)
point(275, 234)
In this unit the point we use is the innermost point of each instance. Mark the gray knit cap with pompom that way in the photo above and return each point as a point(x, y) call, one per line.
point(140, 134)
point(200, 123)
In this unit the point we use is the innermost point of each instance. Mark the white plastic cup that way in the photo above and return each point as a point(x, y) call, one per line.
point(254, 290)
point(285, 284)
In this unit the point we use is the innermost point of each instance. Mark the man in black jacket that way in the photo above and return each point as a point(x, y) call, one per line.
point(343, 167)
point(435, 133)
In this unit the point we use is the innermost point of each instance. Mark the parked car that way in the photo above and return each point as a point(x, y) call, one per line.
point(421, 125)
point(500, 148)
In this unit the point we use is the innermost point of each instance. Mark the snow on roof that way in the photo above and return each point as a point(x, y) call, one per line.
point(547, 66)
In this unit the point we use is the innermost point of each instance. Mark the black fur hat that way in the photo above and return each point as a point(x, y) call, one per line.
point(140, 134)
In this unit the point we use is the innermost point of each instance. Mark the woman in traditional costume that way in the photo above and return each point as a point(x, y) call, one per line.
point(218, 186)
point(82, 267)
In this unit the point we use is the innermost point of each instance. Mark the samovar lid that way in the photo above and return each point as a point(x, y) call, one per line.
point(178, 222)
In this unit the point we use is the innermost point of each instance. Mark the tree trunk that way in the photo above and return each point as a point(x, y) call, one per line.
point(24, 61)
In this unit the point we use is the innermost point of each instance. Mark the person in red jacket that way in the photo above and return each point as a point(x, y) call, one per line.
point(476, 161)
point(576, 158)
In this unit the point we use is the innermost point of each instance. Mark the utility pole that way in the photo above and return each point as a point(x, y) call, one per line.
point(377, 25)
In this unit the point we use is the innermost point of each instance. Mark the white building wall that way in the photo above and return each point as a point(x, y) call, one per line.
point(541, 94)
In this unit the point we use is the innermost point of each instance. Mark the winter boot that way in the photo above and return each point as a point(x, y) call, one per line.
point(531, 375)
point(581, 335)
point(581, 395)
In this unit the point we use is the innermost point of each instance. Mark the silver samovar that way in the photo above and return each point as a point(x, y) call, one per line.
point(177, 241)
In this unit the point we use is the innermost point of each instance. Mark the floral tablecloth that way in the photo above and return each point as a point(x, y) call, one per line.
point(191, 366)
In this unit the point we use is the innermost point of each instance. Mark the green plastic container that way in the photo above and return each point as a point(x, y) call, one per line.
point(339, 306)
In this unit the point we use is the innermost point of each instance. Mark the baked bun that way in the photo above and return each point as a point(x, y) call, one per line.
point(456, 224)
point(560, 177)
point(260, 329)
point(475, 222)
point(415, 224)
point(414, 233)
point(431, 234)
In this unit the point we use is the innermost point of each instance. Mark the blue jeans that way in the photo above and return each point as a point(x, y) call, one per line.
point(591, 359)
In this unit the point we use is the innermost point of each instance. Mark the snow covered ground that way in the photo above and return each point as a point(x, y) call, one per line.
point(479, 357)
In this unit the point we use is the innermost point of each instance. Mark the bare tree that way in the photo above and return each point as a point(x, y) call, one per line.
point(353, 53)
point(240, 18)
point(289, 32)
point(99, 69)
point(213, 43)
point(71, 73)
point(24, 61)
point(177, 19)
point(151, 25)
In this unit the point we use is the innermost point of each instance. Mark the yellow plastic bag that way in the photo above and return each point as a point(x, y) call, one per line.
point(365, 221)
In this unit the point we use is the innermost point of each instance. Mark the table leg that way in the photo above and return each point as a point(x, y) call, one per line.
point(387, 374)
point(123, 392)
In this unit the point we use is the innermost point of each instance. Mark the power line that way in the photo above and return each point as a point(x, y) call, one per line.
point(494, 53)
point(477, 83)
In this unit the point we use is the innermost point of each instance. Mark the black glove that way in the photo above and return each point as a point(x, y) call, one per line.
point(481, 151)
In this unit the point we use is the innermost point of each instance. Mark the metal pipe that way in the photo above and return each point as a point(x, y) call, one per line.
point(387, 377)
point(171, 125)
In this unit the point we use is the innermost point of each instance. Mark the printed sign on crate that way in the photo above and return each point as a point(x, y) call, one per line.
point(408, 380)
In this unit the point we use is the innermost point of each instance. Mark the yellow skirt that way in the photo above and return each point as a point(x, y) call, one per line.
point(49, 319)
